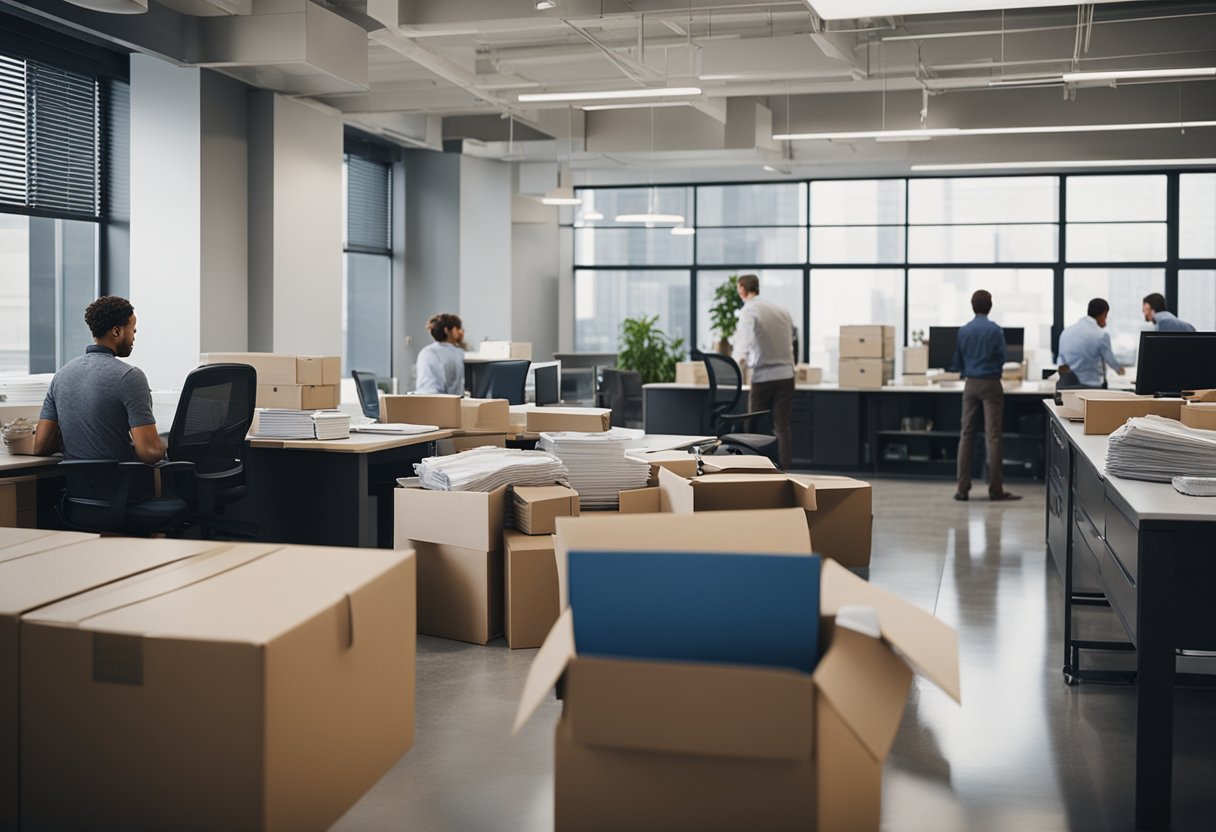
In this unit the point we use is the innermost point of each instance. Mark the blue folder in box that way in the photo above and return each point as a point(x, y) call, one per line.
point(692, 606)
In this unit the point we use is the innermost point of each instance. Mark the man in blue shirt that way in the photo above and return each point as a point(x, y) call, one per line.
point(1155, 313)
point(1085, 349)
point(979, 358)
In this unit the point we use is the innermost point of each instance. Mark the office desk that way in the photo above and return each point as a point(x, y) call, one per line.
point(329, 493)
point(40, 475)
point(14, 465)
point(1152, 552)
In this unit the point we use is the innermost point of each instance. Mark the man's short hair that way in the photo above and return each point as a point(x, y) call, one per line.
point(107, 312)
point(1155, 301)
point(750, 284)
point(981, 302)
point(1097, 308)
point(441, 323)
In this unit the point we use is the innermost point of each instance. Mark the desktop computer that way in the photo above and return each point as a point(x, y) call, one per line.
point(1171, 362)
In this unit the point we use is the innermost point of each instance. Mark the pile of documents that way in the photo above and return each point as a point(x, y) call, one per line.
point(1157, 449)
point(275, 423)
point(1195, 486)
point(24, 390)
point(394, 428)
point(599, 469)
point(486, 469)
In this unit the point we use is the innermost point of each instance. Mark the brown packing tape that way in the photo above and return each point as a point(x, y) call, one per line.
point(1200, 395)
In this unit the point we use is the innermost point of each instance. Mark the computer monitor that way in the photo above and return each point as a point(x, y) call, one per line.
point(943, 340)
point(1171, 362)
point(547, 381)
point(1015, 343)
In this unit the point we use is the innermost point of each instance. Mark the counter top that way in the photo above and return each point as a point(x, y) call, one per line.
point(357, 443)
point(1016, 388)
point(15, 462)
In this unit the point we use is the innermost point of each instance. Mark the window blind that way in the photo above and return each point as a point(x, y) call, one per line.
point(368, 206)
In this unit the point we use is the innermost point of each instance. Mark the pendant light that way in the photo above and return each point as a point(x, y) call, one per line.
point(563, 194)
point(652, 215)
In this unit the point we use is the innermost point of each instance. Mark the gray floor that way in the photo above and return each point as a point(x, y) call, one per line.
point(1023, 752)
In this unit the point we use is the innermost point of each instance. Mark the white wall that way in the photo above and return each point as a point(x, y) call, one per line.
point(485, 250)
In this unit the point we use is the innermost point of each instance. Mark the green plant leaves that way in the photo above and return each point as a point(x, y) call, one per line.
point(724, 314)
point(648, 350)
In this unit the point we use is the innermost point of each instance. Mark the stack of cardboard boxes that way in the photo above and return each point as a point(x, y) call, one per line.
point(916, 365)
point(478, 422)
point(867, 356)
point(289, 382)
point(530, 600)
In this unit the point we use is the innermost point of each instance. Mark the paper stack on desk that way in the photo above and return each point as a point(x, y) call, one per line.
point(331, 424)
point(599, 469)
point(485, 469)
point(274, 423)
point(1156, 449)
point(24, 390)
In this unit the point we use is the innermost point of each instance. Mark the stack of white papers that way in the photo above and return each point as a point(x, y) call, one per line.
point(1195, 486)
point(1157, 449)
point(331, 424)
point(485, 469)
point(275, 423)
point(393, 428)
point(24, 390)
point(599, 469)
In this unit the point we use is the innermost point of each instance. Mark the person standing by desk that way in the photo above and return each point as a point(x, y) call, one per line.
point(440, 366)
point(980, 357)
point(1085, 349)
point(1155, 313)
point(764, 339)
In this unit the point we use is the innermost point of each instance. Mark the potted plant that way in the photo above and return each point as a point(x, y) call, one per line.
point(648, 350)
point(724, 313)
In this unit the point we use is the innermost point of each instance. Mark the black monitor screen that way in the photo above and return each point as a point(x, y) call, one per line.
point(944, 339)
point(1015, 340)
point(1171, 362)
point(546, 379)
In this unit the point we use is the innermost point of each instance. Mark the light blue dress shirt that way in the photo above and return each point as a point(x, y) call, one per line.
point(1168, 322)
point(980, 352)
point(1085, 348)
point(440, 369)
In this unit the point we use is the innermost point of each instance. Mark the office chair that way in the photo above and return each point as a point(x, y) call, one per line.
point(725, 391)
point(622, 393)
point(98, 494)
point(505, 380)
point(369, 393)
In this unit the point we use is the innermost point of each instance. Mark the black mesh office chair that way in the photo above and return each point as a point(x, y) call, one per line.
point(622, 393)
point(368, 392)
point(105, 495)
point(505, 380)
point(725, 392)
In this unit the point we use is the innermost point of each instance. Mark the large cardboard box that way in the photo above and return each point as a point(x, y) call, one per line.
point(468, 519)
point(916, 360)
point(556, 419)
point(538, 507)
point(639, 501)
point(491, 415)
point(733, 492)
point(871, 341)
point(685, 745)
point(692, 372)
point(253, 687)
point(298, 396)
point(843, 519)
point(866, 373)
point(1105, 415)
point(806, 374)
point(440, 410)
point(505, 349)
point(1073, 408)
point(318, 369)
point(531, 588)
point(678, 462)
point(39, 567)
point(1199, 415)
point(272, 368)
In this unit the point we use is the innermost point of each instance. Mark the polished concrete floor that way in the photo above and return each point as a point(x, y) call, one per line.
point(1023, 752)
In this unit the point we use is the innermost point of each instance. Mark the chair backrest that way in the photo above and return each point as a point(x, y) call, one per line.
point(505, 380)
point(369, 393)
point(95, 494)
point(213, 416)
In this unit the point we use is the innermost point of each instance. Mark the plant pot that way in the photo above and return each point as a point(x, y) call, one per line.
point(724, 347)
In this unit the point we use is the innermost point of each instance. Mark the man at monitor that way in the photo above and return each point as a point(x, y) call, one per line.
point(98, 407)
point(1165, 321)
point(979, 358)
point(764, 339)
point(1085, 349)
point(440, 366)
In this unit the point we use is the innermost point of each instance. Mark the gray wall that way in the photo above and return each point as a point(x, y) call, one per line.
point(485, 250)
point(224, 217)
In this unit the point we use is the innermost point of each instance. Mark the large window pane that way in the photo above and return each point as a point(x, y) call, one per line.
point(1020, 298)
point(14, 295)
point(1116, 242)
point(781, 286)
point(1197, 215)
point(1009, 199)
point(851, 296)
point(751, 245)
point(62, 282)
point(367, 317)
point(857, 202)
point(620, 246)
point(1197, 298)
point(857, 244)
point(612, 202)
point(781, 203)
point(602, 299)
point(981, 243)
point(1116, 198)
point(1124, 290)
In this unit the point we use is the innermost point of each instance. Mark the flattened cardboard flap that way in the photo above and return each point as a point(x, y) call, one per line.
point(548, 666)
point(43, 541)
point(927, 643)
point(738, 464)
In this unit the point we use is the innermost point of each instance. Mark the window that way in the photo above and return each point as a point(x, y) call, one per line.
point(1197, 215)
point(1197, 298)
point(367, 267)
point(851, 296)
point(857, 221)
point(782, 286)
point(1124, 289)
point(1116, 218)
point(605, 242)
point(985, 220)
point(604, 298)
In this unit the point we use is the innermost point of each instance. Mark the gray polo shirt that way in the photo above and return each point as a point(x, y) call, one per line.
point(97, 399)
point(440, 369)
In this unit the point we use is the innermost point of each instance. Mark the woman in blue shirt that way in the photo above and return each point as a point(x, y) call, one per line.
point(440, 367)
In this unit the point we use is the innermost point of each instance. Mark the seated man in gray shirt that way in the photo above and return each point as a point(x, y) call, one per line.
point(98, 407)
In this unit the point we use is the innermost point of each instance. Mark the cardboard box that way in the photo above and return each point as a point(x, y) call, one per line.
point(1104, 416)
point(505, 349)
point(692, 372)
point(678, 462)
point(732, 492)
point(491, 415)
point(19, 502)
point(866, 373)
point(916, 360)
point(531, 588)
point(867, 342)
point(466, 519)
point(440, 410)
point(1072, 407)
point(272, 368)
point(683, 745)
point(254, 687)
point(478, 440)
point(737, 464)
point(806, 374)
point(639, 501)
point(914, 381)
point(557, 419)
point(538, 507)
point(318, 369)
point(1199, 415)
point(843, 519)
point(298, 396)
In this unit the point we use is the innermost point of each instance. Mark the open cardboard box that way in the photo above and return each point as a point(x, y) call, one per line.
point(1105, 415)
point(843, 519)
point(250, 687)
point(657, 744)
point(492, 415)
point(737, 464)
point(679, 462)
point(732, 492)
point(441, 410)
point(639, 501)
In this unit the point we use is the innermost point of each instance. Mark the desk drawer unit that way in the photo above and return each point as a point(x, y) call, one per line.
point(1057, 521)
point(1119, 589)
point(1059, 453)
point(1123, 540)
point(1087, 545)
point(1090, 493)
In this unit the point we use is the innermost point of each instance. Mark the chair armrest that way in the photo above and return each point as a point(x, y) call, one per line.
point(86, 464)
point(739, 417)
point(178, 466)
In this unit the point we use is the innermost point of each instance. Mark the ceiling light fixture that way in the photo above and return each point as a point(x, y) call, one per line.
point(947, 132)
point(545, 5)
point(652, 216)
point(563, 194)
point(853, 9)
point(638, 106)
point(592, 215)
point(113, 6)
point(1106, 75)
point(683, 231)
point(1072, 163)
point(607, 95)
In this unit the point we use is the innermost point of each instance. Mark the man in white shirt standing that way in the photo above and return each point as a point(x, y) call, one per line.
point(440, 367)
point(1085, 349)
point(764, 340)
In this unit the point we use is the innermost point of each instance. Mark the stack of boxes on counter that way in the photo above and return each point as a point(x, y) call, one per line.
point(867, 356)
point(916, 365)
point(478, 423)
point(289, 382)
